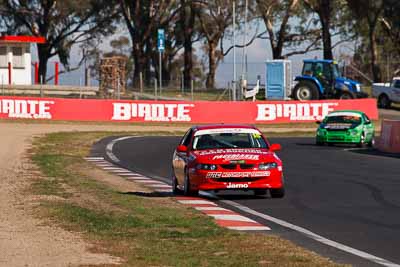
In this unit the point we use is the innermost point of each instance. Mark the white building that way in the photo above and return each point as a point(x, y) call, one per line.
point(15, 59)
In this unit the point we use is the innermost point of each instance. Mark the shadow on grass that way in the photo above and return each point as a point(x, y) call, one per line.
point(148, 194)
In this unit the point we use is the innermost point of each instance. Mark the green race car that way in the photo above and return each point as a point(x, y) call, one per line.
point(346, 127)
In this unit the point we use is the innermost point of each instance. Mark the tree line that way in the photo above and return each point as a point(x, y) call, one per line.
point(292, 27)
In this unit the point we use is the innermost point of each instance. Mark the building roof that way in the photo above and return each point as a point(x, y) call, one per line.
point(22, 39)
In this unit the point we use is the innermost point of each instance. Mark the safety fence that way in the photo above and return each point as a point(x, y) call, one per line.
point(177, 111)
point(390, 136)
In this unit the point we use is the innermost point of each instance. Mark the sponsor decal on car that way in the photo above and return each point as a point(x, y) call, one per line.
point(152, 112)
point(26, 109)
point(338, 126)
point(237, 174)
point(229, 150)
point(237, 157)
point(295, 112)
point(231, 185)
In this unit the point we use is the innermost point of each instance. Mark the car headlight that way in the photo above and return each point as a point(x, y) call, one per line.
point(208, 167)
point(321, 133)
point(267, 166)
point(358, 87)
point(353, 132)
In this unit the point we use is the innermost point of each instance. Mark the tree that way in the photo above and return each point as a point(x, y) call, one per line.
point(369, 16)
point(391, 21)
point(214, 19)
point(276, 15)
point(334, 19)
point(143, 18)
point(63, 24)
point(187, 19)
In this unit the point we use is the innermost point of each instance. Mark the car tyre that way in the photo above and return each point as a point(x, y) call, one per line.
point(384, 101)
point(362, 140)
point(175, 189)
point(260, 192)
point(305, 91)
point(277, 192)
point(372, 142)
point(319, 143)
point(187, 191)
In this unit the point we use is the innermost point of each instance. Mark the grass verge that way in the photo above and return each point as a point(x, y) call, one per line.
point(143, 231)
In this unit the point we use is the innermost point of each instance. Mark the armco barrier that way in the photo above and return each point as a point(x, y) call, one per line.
point(177, 111)
point(390, 136)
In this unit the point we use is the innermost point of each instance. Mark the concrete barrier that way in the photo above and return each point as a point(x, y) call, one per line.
point(390, 136)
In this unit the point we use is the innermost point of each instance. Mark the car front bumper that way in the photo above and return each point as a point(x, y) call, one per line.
point(338, 137)
point(203, 181)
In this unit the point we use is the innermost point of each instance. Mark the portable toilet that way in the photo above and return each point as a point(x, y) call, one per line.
point(15, 58)
point(278, 80)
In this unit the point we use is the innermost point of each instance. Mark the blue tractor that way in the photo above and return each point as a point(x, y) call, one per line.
point(321, 79)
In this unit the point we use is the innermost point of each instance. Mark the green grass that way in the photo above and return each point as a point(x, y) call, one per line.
point(144, 231)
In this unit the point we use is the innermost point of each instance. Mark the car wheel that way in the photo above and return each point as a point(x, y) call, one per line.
point(372, 142)
point(319, 143)
point(260, 192)
point(187, 191)
point(277, 192)
point(175, 189)
point(306, 91)
point(384, 101)
point(362, 140)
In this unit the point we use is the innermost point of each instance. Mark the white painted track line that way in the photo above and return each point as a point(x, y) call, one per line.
point(211, 208)
point(126, 174)
point(238, 218)
point(197, 202)
point(249, 228)
point(159, 185)
point(149, 181)
point(136, 178)
point(314, 236)
point(163, 190)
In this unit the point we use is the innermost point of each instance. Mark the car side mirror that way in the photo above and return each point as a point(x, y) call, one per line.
point(181, 148)
point(318, 122)
point(275, 147)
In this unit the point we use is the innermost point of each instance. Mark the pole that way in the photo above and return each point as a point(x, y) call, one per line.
point(141, 81)
point(155, 88)
point(9, 73)
point(118, 89)
point(244, 56)
point(160, 70)
point(56, 73)
point(192, 89)
point(234, 50)
point(41, 86)
point(36, 73)
point(182, 83)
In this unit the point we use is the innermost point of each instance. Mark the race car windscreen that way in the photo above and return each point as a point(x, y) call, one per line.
point(348, 119)
point(228, 140)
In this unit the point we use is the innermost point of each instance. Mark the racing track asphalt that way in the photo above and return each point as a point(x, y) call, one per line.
point(347, 195)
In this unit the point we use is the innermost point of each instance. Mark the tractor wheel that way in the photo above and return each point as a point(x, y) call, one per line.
point(384, 101)
point(306, 90)
point(346, 95)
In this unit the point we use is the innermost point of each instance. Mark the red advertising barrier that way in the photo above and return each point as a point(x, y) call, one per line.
point(390, 137)
point(178, 111)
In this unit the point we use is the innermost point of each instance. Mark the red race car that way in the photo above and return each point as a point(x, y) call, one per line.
point(226, 157)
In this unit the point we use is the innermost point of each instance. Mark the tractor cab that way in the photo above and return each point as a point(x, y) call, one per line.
point(326, 71)
point(322, 79)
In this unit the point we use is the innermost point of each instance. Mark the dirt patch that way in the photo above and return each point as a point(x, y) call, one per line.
point(24, 239)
